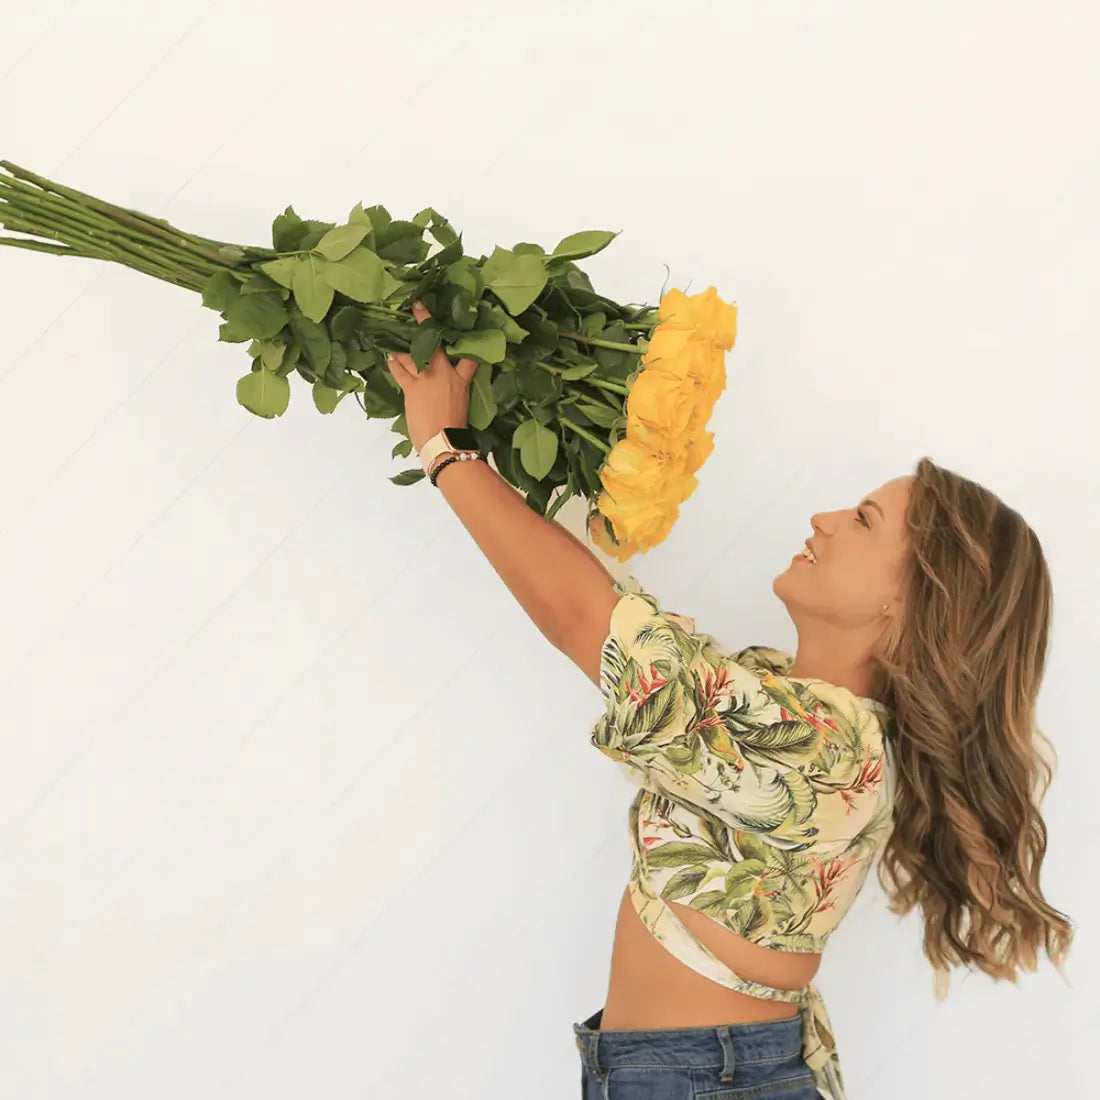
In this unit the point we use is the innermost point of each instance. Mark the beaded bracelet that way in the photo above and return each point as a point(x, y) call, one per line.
point(462, 456)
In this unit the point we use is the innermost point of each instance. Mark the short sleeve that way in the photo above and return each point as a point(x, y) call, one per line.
point(715, 728)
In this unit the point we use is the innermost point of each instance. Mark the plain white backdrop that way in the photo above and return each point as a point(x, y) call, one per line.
point(294, 798)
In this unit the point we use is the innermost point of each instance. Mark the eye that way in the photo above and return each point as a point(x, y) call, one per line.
point(863, 518)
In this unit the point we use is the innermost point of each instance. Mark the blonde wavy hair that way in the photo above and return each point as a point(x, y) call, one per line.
point(960, 670)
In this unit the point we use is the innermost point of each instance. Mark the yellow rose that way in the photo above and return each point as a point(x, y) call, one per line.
point(668, 343)
point(698, 448)
point(637, 531)
point(597, 530)
point(632, 470)
point(651, 470)
point(684, 354)
point(715, 317)
point(706, 313)
point(664, 399)
point(675, 310)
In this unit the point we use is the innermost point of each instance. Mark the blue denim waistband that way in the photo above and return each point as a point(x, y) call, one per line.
point(711, 1047)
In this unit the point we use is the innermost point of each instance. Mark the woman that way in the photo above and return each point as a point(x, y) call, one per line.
point(769, 785)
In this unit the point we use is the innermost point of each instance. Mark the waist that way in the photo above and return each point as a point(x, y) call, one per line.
point(700, 1047)
point(650, 987)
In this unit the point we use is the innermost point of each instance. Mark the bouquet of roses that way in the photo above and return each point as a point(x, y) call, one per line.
point(572, 389)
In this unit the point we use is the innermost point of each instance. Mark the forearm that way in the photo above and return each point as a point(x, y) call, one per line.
point(548, 570)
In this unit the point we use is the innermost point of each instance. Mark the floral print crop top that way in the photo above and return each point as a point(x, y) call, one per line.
point(764, 799)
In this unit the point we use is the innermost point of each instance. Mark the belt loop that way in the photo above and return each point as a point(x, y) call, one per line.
point(588, 1043)
point(726, 1040)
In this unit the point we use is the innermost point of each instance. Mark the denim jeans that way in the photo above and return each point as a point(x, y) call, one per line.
point(727, 1062)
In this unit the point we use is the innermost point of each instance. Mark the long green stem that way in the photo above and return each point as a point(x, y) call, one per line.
point(599, 383)
point(125, 251)
point(582, 339)
point(67, 218)
point(44, 246)
point(116, 213)
point(585, 435)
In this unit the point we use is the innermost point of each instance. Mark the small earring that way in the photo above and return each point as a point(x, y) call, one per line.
point(884, 607)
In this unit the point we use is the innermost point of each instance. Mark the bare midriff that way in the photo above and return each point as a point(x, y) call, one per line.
point(650, 988)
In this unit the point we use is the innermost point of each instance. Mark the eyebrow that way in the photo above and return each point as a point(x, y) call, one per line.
point(875, 504)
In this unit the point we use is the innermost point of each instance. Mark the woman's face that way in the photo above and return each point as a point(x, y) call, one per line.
point(837, 603)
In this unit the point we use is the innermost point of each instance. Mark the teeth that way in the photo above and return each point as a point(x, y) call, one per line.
point(808, 554)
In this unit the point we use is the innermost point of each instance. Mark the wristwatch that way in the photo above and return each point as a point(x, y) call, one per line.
point(448, 441)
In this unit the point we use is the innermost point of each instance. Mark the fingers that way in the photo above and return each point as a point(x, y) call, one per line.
point(439, 360)
point(402, 367)
point(466, 368)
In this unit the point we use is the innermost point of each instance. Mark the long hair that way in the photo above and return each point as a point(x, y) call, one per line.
point(960, 670)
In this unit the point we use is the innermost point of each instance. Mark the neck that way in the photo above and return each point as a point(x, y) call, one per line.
point(837, 662)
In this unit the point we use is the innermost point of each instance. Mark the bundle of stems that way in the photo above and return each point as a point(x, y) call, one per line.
point(573, 391)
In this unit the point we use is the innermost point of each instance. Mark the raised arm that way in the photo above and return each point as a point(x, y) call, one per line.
point(557, 580)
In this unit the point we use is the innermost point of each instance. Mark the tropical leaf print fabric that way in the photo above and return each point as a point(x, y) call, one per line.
point(763, 802)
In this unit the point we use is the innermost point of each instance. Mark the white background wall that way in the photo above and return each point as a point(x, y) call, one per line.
point(257, 839)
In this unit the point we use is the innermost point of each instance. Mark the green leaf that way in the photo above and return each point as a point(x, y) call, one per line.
point(271, 354)
point(282, 270)
point(344, 324)
point(463, 309)
point(313, 339)
point(601, 415)
point(683, 883)
point(464, 273)
point(290, 358)
point(287, 230)
point(264, 394)
point(359, 216)
point(401, 242)
point(483, 402)
point(489, 345)
point(313, 295)
point(315, 230)
point(586, 243)
point(255, 282)
point(260, 315)
point(750, 846)
point(750, 869)
point(578, 370)
point(409, 477)
point(220, 291)
point(425, 343)
point(233, 334)
point(449, 253)
point(443, 232)
point(516, 280)
point(538, 448)
point(490, 314)
point(594, 324)
point(379, 216)
point(360, 276)
point(363, 361)
point(338, 242)
point(678, 852)
point(713, 902)
point(327, 397)
point(338, 362)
